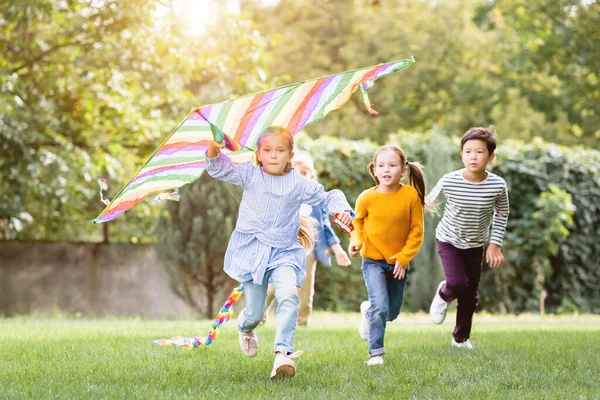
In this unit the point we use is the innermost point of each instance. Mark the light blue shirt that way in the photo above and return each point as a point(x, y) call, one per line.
point(266, 233)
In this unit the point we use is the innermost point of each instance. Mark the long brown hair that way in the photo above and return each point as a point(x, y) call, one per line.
point(415, 170)
point(308, 231)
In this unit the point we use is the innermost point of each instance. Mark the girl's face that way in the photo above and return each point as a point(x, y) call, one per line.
point(475, 156)
point(274, 154)
point(389, 169)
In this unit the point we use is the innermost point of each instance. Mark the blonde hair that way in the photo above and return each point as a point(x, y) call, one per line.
point(274, 131)
point(308, 232)
point(415, 170)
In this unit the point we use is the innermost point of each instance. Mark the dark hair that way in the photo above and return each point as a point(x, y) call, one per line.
point(488, 135)
point(415, 170)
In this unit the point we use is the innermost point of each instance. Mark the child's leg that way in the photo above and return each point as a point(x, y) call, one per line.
point(396, 294)
point(286, 293)
point(468, 298)
point(454, 269)
point(253, 314)
point(270, 300)
point(374, 273)
point(307, 291)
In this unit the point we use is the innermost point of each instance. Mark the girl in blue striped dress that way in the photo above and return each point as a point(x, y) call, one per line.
point(270, 239)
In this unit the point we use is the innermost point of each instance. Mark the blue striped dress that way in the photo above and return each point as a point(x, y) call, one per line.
point(266, 233)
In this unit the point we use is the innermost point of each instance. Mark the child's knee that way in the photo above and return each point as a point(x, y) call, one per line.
point(379, 308)
point(393, 312)
point(252, 318)
point(287, 293)
point(455, 288)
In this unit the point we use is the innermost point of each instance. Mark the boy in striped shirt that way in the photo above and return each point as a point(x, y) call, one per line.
point(475, 200)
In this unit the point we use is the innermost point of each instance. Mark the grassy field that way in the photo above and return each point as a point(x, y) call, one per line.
point(524, 358)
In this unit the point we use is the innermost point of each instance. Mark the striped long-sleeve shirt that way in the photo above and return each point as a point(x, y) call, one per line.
point(471, 207)
point(266, 233)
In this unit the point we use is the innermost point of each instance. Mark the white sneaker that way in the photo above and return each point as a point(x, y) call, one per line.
point(439, 306)
point(248, 343)
point(377, 360)
point(283, 367)
point(363, 328)
point(464, 345)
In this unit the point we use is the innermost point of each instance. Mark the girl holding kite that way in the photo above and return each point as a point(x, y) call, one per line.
point(388, 232)
point(270, 240)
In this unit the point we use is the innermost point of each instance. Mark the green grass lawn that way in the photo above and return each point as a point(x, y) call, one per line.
point(524, 358)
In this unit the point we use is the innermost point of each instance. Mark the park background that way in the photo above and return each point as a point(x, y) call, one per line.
point(90, 88)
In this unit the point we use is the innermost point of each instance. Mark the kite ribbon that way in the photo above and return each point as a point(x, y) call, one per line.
point(223, 316)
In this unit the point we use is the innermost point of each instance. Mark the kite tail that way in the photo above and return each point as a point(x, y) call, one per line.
point(223, 316)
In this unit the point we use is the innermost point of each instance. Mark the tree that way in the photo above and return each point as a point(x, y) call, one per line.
point(89, 89)
point(549, 56)
point(193, 236)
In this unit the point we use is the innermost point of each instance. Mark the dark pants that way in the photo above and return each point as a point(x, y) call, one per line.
point(462, 268)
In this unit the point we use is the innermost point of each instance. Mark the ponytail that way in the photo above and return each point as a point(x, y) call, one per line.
point(307, 233)
point(416, 179)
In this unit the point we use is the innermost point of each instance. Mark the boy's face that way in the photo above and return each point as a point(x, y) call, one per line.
point(475, 155)
point(303, 169)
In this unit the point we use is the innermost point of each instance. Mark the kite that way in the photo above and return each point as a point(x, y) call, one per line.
point(179, 160)
point(223, 316)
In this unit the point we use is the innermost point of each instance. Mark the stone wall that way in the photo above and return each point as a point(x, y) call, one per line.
point(88, 278)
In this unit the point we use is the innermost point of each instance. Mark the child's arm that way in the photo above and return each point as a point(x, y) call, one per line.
point(415, 236)
point(219, 166)
point(357, 237)
point(333, 242)
point(330, 236)
point(333, 202)
point(436, 195)
point(494, 256)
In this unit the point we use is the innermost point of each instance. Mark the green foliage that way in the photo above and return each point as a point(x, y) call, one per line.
point(89, 89)
point(549, 184)
point(528, 67)
point(193, 236)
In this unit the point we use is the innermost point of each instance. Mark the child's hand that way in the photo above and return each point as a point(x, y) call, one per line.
point(340, 255)
point(494, 256)
point(353, 251)
point(219, 145)
point(213, 149)
point(399, 270)
point(345, 218)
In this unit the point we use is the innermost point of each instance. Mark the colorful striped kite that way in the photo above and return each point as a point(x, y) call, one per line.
point(180, 158)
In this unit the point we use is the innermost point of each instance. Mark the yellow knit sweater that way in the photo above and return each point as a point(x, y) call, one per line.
point(388, 225)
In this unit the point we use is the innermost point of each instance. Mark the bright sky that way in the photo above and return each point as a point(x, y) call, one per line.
point(197, 13)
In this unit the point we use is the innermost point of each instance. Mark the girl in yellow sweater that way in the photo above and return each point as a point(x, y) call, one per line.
point(388, 232)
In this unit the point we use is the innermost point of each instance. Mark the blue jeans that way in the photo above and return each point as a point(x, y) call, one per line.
point(283, 278)
point(386, 295)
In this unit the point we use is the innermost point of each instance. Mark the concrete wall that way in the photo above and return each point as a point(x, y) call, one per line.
point(92, 279)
